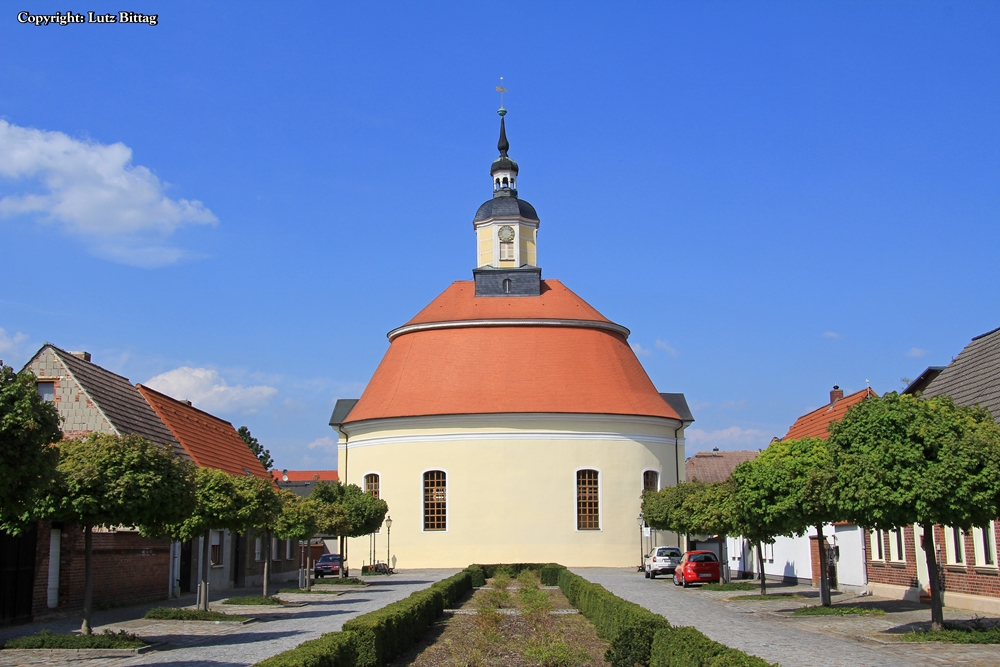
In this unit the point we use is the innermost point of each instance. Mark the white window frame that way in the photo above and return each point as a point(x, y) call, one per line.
point(877, 537)
point(258, 554)
point(983, 541)
point(447, 498)
point(896, 538)
point(600, 501)
point(217, 539)
point(949, 546)
point(768, 552)
point(275, 549)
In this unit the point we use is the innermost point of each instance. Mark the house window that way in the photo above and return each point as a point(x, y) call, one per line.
point(47, 390)
point(768, 551)
point(216, 547)
point(371, 484)
point(896, 549)
point(275, 549)
point(506, 251)
point(288, 549)
point(587, 500)
point(435, 500)
point(954, 545)
point(257, 548)
point(878, 550)
point(650, 480)
point(984, 545)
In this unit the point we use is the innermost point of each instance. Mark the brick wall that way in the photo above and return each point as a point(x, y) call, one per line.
point(890, 572)
point(128, 569)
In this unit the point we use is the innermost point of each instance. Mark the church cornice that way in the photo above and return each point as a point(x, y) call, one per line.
point(531, 322)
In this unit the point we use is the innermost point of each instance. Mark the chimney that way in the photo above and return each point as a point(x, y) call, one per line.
point(186, 402)
point(836, 394)
point(81, 355)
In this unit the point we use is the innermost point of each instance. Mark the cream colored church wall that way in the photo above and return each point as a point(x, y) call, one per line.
point(511, 485)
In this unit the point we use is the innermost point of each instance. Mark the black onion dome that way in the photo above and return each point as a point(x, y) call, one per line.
point(503, 163)
point(505, 207)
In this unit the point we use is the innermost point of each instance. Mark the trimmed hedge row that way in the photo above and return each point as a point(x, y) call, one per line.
point(334, 649)
point(687, 647)
point(549, 574)
point(626, 626)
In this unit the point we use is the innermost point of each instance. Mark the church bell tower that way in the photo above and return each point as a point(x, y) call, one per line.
point(506, 233)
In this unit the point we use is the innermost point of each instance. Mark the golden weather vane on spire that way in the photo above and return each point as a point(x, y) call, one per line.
point(501, 90)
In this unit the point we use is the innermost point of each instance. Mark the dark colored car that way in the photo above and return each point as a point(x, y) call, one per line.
point(329, 564)
point(662, 560)
point(698, 567)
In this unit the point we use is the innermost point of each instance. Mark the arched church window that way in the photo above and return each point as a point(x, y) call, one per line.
point(588, 500)
point(497, 187)
point(506, 285)
point(650, 480)
point(371, 484)
point(435, 500)
point(505, 181)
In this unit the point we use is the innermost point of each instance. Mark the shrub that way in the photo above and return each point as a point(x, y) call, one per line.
point(687, 647)
point(253, 599)
point(334, 649)
point(174, 614)
point(47, 639)
point(478, 575)
point(628, 627)
point(453, 588)
point(549, 574)
point(385, 633)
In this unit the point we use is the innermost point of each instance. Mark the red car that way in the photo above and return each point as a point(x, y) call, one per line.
point(697, 567)
point(329, 564)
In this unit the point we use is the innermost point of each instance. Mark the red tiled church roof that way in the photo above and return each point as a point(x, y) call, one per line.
point(306, 475)
point(816, 423)
point(209, 441)
point(520, 365)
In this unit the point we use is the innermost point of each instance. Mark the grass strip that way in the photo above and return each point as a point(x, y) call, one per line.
point(955, 635)
point(839, 610)
point(48, 639)
point(175, 614)
point(772, 596)
point(302, 591)
point(253, 600)
point(732, 586)
point(347, 581)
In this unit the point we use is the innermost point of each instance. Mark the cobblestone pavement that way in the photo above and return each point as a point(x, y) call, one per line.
point(767, 630)
point(207, 644)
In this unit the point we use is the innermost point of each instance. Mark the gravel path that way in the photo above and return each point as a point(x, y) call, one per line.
point(818, 641)
point(203, 644)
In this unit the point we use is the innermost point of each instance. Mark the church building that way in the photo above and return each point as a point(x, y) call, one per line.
point(510, 421)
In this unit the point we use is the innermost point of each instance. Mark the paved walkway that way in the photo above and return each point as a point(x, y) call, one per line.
point(766, 629)
point(206, 644)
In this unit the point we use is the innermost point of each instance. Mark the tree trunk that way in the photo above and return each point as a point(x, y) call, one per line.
point(937, 604)
point(760, 567)
point(824, 581)
point(206, 553)
point(88, 578)
point(267, 559)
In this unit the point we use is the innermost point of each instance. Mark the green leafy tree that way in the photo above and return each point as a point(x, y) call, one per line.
point(793, 486)
point(28, 427)
point(755, 517)
point(350, 512)
point(217, 507)
point(106, 480)
point(263, 455)
point(299, 520)
point(260, 508)
point(902, 460)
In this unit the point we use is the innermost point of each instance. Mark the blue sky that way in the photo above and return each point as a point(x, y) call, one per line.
point(239, 204)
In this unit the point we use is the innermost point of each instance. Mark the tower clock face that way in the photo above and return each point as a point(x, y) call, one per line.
point(506, 233)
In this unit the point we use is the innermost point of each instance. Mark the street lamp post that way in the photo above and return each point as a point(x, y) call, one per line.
point(641, 520)
point(388, 533)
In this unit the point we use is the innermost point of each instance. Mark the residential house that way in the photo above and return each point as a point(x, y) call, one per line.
point(796, 559)
point(970, 577)
point(302, 483)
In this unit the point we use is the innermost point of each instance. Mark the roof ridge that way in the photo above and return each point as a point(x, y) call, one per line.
point(986, 334)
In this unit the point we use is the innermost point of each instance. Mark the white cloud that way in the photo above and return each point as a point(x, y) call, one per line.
point(666, 347)
point(640, 350)
point(94, 192)
point(207, 390)
point(916, 352)
point(733, 437)
point(11, 344)
point(831, 334)
point(325, 441)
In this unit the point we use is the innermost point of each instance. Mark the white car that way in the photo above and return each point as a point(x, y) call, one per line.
point(662, 560)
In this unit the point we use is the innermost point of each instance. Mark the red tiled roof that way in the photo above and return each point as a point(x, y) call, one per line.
point(306, 475)
point(209, 441)
point(459, 302)
point(716, 466)
point(816, 423)
point(521, 368)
